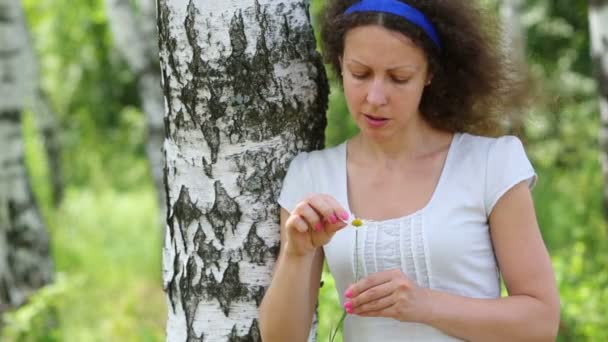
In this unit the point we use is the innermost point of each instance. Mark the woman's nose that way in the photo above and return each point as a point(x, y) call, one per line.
point(376, 94)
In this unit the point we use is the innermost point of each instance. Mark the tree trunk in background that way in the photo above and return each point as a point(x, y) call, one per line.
point(25, 263)
point(245, 92)
point(45, 117)
point(598, 28)
point(46, 120)
point(515, 43)
point(136, 37)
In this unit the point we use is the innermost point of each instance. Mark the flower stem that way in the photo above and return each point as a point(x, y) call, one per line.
point(356, 223)
point(333, 336)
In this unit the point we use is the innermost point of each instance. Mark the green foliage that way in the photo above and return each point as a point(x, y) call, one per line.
point(88, 84)
point(329, 308)
point(106, 245)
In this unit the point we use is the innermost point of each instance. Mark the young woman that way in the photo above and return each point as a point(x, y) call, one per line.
point(446, 211)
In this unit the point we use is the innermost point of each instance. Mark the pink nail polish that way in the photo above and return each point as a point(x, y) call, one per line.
point(348, 294)
point(333, 219)
point(349, 310)
point(344, 215)
point(318, 226)
point(348, 305)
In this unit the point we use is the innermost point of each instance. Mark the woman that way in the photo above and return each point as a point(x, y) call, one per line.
point(446, 212)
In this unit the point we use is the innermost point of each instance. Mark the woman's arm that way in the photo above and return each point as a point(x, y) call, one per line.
point(529, 313)
point(288, 306)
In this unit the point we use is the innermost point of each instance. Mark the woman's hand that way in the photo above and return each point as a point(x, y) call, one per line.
point(388, 294)
point(312, 224)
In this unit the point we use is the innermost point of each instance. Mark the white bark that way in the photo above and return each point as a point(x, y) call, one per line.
point(135, 36)
point(598, 28)
point(245, 91)
point(25, 263)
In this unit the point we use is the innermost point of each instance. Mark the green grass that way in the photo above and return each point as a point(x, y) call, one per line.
point(106, 246)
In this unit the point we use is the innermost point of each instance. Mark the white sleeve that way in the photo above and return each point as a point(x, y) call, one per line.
point(297, 183)
point(507, 165)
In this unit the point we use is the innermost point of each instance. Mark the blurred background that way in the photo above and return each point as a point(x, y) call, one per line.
point(91, 129)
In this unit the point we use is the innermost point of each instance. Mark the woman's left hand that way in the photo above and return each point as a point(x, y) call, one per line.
point(388, 294)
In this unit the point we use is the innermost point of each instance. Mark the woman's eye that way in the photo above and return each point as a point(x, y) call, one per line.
point(359, 76)
point(400, 80)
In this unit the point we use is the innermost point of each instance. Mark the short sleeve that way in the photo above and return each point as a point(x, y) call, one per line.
point(296, 184)
point(507, 165)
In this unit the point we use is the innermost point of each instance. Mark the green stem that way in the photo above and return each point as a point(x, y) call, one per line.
point(332, 336)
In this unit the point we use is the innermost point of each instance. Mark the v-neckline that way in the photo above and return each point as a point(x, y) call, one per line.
point(442, 176)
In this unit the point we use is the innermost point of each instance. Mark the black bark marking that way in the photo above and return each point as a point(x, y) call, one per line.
point(185, 212)
point(168, 220)
point(207, 251)
point(5, 16)
point(229, 290)
point(190, 298)
point(164, 23)
point(255, 248)
point(203, 77)
point(264, 183)
point(224, 214)
point(172, 287)
point(207, 168)
point(252, 336)
point(12, 116)
point(28, 251)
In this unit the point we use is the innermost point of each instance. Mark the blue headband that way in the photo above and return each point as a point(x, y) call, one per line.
point(401, 9)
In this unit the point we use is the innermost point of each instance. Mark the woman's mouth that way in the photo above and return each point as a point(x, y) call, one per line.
point(375, 121)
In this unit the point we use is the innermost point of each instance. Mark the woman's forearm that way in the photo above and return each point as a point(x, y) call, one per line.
point(513, 318)
point(288, 305)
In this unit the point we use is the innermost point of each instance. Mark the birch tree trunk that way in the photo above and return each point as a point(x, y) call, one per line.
point(245, 91)
point(45, 117)
point(25, 263)
point(598, 28)
point(136, 37)
point(46, 121)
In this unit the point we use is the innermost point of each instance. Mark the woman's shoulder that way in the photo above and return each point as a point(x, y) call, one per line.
point(484, 144)
point(321, 157)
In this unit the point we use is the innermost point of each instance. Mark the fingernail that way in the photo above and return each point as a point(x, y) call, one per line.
point(318, 226)
point(349, 310)
point(348, 294)
point(333, 219)
point(344, 215)
point(348, 306)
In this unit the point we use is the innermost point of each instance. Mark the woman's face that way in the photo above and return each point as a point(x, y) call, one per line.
point(384, 74)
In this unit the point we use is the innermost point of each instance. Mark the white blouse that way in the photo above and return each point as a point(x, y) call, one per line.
point(445, 246)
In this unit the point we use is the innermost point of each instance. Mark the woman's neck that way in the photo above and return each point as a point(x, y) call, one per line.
point(410, 146)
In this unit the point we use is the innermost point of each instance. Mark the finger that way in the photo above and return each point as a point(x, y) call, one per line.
point(323, 208)
point(388, 312)
point(376, 305)
point(372, 295)
point(370, 281)
point(339, 211)
point(306, 212)
point(296, 222)
point(336, 220)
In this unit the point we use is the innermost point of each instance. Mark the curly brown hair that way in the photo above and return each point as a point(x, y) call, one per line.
point(475, 85)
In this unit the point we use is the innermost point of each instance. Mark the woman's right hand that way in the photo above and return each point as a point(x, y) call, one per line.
point(312, 223)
